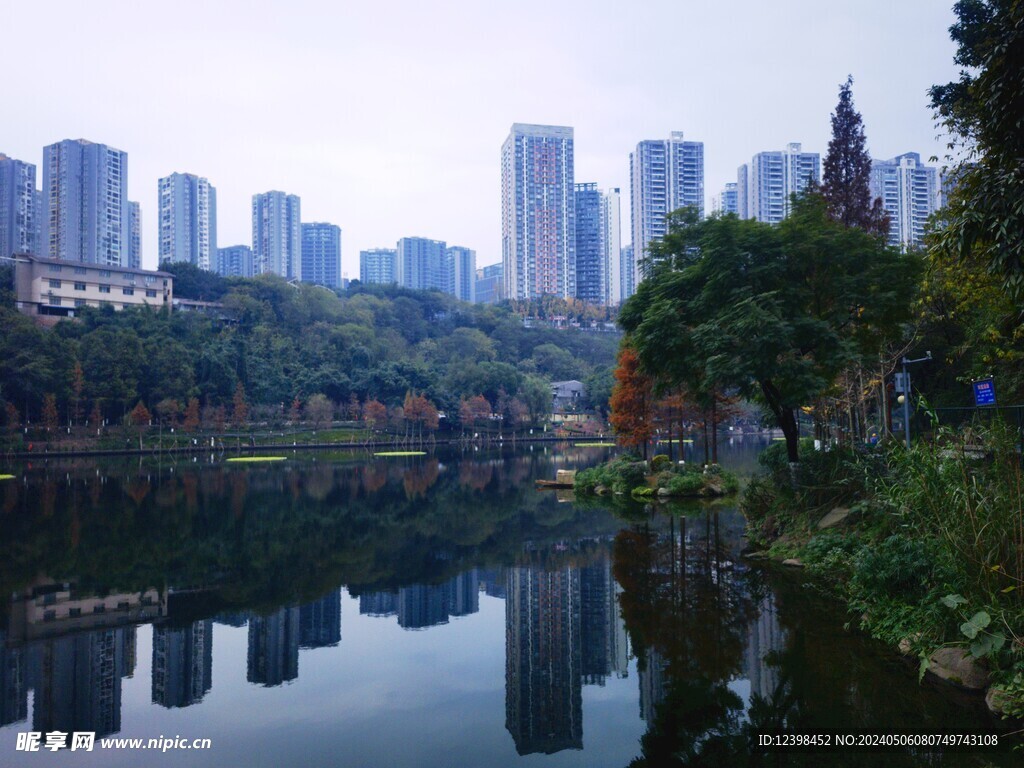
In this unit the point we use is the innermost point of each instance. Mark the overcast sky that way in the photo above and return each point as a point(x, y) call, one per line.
point(388, 118)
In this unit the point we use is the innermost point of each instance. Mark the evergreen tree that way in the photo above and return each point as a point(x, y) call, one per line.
point(847, 172)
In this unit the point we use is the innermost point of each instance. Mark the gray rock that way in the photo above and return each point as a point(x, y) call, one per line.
point(833, 518)
point(793, 562)
point(996, 700)
point(957, 666)
point(761, 555)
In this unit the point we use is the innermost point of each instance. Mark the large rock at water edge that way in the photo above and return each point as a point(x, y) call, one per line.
point(957, 666)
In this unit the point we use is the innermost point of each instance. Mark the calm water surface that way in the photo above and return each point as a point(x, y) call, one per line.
point(429, 611)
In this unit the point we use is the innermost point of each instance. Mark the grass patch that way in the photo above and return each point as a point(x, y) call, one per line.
point(401, 453)
point(6, 477)
point(594, 445)
point(255, 459)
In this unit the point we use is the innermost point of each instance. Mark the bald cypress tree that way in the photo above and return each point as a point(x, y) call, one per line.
point(847, 172)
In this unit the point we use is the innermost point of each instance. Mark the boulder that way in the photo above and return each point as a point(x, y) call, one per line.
point(761, 555)
point(996, 700)
point(955, 665)
point(834, 518)
point(792, 562)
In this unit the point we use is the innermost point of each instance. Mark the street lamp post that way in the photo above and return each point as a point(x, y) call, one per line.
point(906, 393)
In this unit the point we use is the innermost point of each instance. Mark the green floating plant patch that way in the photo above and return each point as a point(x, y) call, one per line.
point(256, 459)
point(401, 453)
point(6, 477)
point(594, 445)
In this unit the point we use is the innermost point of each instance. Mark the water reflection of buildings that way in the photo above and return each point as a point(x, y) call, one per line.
point(764, 637)
point(419, 606)
point(543, 685)
point(273, 656)
point(72, 651)
point(77, 680)
point(48, 609)
point(652, 683)
point(605, 649)
point(320, 622)
point(182, 663)
point(13, 683)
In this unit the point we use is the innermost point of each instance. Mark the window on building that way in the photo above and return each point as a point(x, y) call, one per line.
point(128, 291)
point(104, 273)
point(55, 283)
point(81, 270)
point(150, 294)
point(79, 286)
point(104, 289)
point(54, 267)
point(81, 303)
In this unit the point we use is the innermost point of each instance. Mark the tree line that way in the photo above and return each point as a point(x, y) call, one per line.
point(278, 351)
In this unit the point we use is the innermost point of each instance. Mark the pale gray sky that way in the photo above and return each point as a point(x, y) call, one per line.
point(388, 118)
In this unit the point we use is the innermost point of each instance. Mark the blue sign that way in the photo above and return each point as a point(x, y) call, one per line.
point(984, 392)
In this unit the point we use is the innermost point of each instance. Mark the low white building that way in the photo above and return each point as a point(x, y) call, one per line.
point(53, 288)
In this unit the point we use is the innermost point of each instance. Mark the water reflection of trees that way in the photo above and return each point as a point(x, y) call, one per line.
point(726, 654)
point(687, 605)
point(260, 537)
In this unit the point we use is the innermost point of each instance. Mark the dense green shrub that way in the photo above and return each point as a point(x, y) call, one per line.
point(620, 475)
point(685, 484)
point(660, 463)
point(898, 566)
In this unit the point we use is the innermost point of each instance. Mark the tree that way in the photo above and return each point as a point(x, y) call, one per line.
point(191, 422)
point(77, 387)
point(772, 312)
point(12, 417)
point(632, 401)
point(295, 411)
point(168, 410)
point(239, 407)
point(319, 410)
point(982, 112)
point(375, 414)
point(50, 417)
point(846, 173)
point(140, 415)
point(354, 409)
point(96, 415)
point(476, 408)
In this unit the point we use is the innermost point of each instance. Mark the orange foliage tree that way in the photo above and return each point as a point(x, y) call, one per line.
point(240, 408)
point(375, 414)
point(632, 402)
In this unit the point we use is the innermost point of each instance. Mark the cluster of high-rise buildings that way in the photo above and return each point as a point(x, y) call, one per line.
point(83, 214)
point(558, 236)
point(564, 238)
point(418, 262)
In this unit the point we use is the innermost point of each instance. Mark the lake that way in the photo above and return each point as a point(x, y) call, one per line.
point(341, 609)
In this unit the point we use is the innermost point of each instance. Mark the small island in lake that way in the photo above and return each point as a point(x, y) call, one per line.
point(629, 474)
